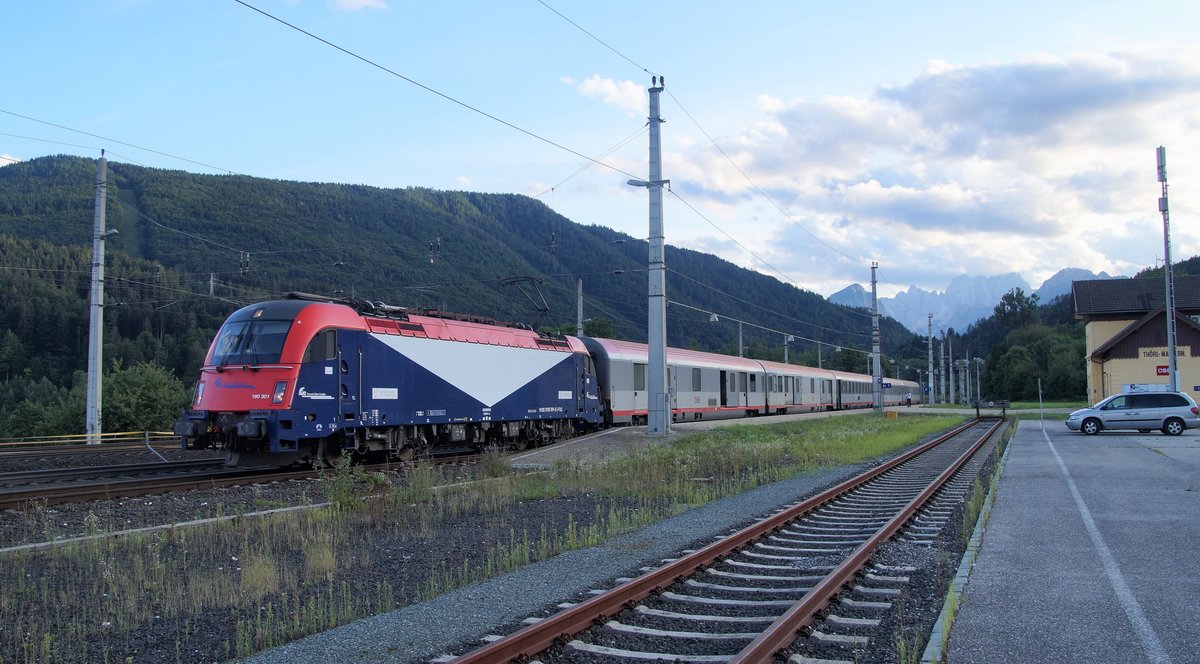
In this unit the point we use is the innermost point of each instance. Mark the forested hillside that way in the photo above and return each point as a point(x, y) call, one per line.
point(191, 248)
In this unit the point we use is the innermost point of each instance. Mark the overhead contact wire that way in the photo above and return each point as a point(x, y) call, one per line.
point(443, 95)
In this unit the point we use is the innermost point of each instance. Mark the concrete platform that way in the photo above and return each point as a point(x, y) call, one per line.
point(1092, 552)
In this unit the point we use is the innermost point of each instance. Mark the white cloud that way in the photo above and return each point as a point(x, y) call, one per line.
point(1030, 165)
point(6, 159)
point(358, 5)
point(626, 95)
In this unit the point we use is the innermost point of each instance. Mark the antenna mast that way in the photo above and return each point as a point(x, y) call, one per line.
point(1172, 375)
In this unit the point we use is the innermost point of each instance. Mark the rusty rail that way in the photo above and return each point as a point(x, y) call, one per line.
point(134, 488)
point(780, 635)
point(563, 625)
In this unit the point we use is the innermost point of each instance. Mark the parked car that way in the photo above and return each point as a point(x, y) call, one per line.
point(1169, 412)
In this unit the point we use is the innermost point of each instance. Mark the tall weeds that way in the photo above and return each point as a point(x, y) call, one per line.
point(271, 579)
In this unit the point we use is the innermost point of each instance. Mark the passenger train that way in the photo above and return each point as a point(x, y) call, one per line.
point(306, 378)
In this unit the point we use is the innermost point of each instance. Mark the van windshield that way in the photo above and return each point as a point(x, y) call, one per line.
point(250, 342)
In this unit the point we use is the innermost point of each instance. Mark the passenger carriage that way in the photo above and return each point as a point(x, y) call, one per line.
point(797, 389)
point(704, 385)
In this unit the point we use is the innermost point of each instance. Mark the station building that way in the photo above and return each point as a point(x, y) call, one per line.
point(1125, 325)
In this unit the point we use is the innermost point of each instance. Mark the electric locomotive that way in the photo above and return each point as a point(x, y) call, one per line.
point(306, 378)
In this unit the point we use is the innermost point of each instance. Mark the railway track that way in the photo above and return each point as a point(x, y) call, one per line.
point(63, 476)
point(801, 582)
point(75, 450)
point(19, 490)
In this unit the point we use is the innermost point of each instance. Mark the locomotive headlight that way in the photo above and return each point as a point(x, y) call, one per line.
point(280, 389)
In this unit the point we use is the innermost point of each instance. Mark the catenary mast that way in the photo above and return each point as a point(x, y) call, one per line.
point(96, 318)
point(876, 372)
point(658, 401)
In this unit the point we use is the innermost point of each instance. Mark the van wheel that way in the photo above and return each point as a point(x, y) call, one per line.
point(1173, 426)
point(1090, 426)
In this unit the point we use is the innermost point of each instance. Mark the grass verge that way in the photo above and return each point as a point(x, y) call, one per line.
point(227, 589)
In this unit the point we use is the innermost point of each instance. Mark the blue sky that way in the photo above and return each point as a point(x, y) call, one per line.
point(936, 138)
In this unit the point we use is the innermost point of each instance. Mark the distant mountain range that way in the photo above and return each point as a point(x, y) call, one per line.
point(965, 300)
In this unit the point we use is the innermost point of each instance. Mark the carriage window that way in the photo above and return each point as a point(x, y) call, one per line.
point(639, 377)
point(695, 380)
point(323, 347)
point(753, 382)
point(742, 382)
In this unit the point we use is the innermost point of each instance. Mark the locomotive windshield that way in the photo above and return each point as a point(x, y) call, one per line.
point(250, 342)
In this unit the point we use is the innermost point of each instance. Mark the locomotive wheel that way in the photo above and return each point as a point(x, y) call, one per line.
point(327, 454)
point(406, 453)
point(519, 443)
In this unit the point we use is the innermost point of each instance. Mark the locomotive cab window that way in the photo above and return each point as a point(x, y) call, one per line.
point(250, 342)
point(323, 347)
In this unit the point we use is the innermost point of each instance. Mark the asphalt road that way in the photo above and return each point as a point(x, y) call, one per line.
point(1091, 554)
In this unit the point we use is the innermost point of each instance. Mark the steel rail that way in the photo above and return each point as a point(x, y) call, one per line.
point(134, 488)
point(560, 627)
point(780, 635)
point(69, 474)
point(81, 439)
point(82, 450)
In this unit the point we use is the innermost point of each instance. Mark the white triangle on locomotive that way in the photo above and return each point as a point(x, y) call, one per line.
point(485, 372)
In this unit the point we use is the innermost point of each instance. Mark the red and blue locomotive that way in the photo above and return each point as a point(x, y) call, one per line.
point(306, 378)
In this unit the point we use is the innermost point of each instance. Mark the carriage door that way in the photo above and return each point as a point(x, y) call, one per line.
point(672, 390)
point(725, 388)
